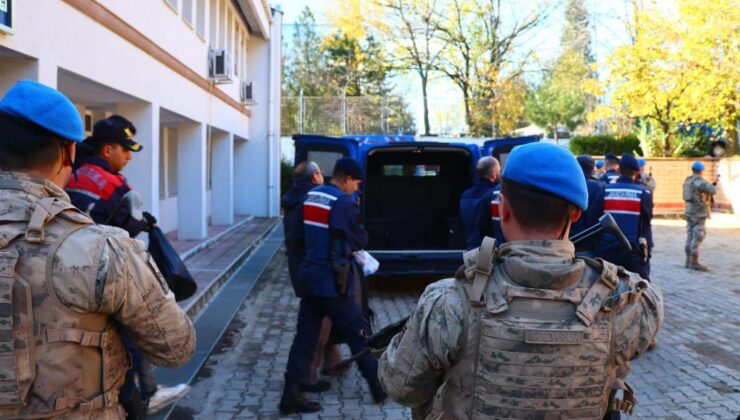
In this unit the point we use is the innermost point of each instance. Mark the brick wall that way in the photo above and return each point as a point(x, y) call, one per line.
point(670, 174)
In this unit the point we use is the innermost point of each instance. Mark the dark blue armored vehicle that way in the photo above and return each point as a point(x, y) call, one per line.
point(411, 193)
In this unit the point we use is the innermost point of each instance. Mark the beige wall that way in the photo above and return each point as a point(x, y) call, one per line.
point(670, 174)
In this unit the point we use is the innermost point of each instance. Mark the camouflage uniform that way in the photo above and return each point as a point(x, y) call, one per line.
point(697, 194)
point(89, 284)
point(544, 336)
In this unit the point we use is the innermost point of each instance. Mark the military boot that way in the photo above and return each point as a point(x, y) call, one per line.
point(377, 391)
point(696, 265)
point(293, 400)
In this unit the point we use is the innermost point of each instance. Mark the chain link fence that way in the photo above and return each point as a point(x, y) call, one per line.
point(337, 116)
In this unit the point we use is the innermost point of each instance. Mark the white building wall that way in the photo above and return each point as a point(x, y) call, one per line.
point(56, 37)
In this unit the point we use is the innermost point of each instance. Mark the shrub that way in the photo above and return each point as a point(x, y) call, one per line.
point(286, 176)
point(598, 145)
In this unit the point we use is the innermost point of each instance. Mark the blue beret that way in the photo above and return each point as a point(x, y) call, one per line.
point(550, 169)
point(629, 161)
point(641, 162)
point(599, 163)
point(46, 107)
point(349, 166)
point(697, 166)
point(611, 156)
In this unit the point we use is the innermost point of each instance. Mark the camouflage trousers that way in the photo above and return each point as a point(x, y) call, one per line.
point(696, 230)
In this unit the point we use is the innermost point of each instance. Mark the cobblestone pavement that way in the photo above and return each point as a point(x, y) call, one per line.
point(693, 373)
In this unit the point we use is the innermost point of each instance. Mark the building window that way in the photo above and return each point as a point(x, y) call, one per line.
point(172, 4)
point(187, 11)
point(200, 17)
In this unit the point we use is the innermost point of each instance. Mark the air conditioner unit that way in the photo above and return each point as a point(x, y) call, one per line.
point(219, 66)
point(245, 93)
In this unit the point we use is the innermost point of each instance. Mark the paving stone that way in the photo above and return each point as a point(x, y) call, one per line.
point(690, 374)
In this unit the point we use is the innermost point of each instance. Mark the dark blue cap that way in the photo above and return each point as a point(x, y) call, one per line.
point(697, 166)
point(45, 107)
point(349, 166)
point(550, 169)
point(599, 163)
point(118, 130)
point(629, 161)
point(611, 156)
point(587, 164)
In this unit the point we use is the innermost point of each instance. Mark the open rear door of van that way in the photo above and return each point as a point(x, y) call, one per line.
point(324, 150)
point(501, 147)
point(411, 205)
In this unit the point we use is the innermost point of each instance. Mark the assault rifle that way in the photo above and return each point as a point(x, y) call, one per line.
point(382, 338)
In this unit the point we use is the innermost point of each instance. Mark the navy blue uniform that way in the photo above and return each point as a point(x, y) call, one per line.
point(98, 191)
point(332, 232)
point(631, 205)
point(609, 176)
point(590, 217)
point(488, 218)
point(470, 203)
point(295, 245)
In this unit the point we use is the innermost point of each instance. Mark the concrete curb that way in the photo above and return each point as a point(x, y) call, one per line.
point(203, 296)
point(212, 241)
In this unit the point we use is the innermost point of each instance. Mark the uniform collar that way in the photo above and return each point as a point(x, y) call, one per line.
point(625, 180)
point(31, 184)
point(485, 182)
point(94, 160)
point(546, 264)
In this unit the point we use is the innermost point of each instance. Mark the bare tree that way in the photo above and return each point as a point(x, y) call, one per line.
point(480, 44)
point(409, 26)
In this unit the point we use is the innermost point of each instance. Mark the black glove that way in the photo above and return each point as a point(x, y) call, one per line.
point(150, 220)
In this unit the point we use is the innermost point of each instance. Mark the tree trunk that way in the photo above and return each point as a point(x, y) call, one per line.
point(555, 135)
point(426, 104)
point(468, 116)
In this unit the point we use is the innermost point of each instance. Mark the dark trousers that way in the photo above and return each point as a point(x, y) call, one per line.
point(630, 261)
point(347, 320)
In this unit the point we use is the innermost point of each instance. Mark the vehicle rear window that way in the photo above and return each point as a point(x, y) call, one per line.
point(325, 160)
point(411, 170)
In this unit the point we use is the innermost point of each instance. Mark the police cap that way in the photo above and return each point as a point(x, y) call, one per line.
point(611, 157)
point(349, 166)
point(549, 169)
point(629, 161)
point(587, 164)
point(44, 107)
point(697, 166)
point(116, 129)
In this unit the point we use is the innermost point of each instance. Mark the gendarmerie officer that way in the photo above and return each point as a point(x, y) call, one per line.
point(631, 205)
point(331, 218)
point(595, 210)
point(612, 169)
point(489, 172)
point(530, 331)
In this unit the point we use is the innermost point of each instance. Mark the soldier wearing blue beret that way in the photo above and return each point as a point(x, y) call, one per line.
point(697, 193)
point(467, 349)
point(98, 283)
point(631, 205)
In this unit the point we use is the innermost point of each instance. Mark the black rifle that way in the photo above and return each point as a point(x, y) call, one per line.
point(382, 338)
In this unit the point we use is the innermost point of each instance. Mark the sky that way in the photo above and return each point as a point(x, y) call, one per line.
point(607, 32)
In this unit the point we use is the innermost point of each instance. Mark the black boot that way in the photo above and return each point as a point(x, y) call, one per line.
point(294, 402)
point(377, 391)
point(319, 386)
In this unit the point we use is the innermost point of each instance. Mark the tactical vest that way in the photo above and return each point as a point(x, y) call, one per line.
point(533, 353)
point(324, 246)
point(53, 360)
point(622, 201)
